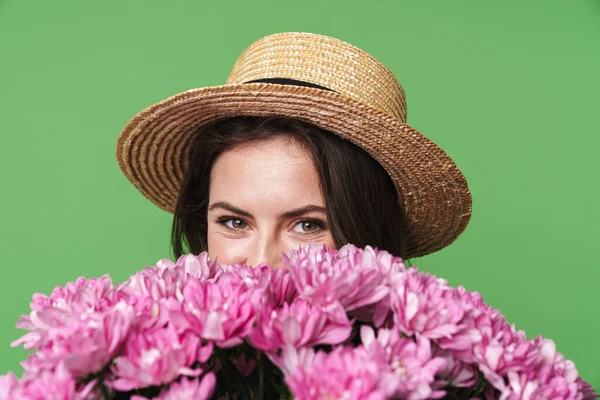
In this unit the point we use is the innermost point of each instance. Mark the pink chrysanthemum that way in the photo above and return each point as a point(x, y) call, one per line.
point(457, 373)
point(85, 345)
point(77, 297)
point(57, 384)
point(167, 278)
point(497, 347)
point(163, 324)
point(352, 277)
point(586, 390)
point(411, 368)
point(300, 324)
point(276, 284)
point(187, 389)
point(157, 356)
point(388, 265)
point(345, 373)
point(65, 304)
point(550, 376)
point(223, 311)
point(476, 315)
point(425, 305)
point(9, 386)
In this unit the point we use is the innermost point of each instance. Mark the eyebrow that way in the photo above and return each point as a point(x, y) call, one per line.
point(288, 214)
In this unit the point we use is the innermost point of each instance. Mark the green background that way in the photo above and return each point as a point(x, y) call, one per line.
point(508, 88)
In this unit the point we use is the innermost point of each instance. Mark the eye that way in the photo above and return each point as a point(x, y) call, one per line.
point(233, 223)
point(309, 226)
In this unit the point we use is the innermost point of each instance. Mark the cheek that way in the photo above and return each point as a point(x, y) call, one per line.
point(329, 242)
point(227, 250)
point(292, 242)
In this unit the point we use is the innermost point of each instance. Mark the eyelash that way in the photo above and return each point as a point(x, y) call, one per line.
point(320, 224)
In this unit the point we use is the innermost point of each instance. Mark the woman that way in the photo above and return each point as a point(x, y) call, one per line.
point(307, 141)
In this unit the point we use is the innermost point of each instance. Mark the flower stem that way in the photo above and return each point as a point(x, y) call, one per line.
point(261, 376)
point(104, 391)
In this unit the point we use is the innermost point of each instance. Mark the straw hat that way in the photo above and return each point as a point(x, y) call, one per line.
point(329, 83)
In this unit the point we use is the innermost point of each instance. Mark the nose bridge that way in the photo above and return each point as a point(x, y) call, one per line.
point(266, 249)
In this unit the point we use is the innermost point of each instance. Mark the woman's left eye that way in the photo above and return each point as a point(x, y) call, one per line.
point(308, 226)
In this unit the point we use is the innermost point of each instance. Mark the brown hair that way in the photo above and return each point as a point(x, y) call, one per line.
point(360, 198)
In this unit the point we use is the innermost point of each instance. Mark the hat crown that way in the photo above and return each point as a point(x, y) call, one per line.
point(323, 61)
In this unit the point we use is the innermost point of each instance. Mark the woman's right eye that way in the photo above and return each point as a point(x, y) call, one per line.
point(233, 223)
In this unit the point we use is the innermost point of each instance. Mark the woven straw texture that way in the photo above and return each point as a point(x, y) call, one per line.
point(365, 104)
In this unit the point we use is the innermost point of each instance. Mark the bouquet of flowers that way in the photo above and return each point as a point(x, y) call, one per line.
point(334, 324)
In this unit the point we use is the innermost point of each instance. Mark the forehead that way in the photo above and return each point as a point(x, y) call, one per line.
point(268, 176)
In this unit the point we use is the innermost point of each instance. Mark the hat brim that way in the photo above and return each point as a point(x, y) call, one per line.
point(151, 150)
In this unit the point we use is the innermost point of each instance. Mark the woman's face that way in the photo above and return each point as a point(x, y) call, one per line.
point(264, 200)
